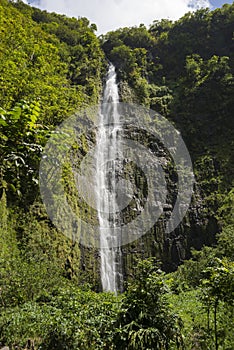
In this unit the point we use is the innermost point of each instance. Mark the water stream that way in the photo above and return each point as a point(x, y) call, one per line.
point(108, 151)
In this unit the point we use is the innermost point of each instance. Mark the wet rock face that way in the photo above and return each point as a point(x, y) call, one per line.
point(172, 249)
point(196, 229)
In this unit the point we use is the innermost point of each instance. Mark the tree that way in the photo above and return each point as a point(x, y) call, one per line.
point(145, 320)
point(218, 286)
point(21, 145)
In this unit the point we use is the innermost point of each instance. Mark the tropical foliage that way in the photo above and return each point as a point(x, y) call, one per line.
point(52, 66)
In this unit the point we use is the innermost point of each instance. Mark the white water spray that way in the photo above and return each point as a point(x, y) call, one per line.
point(107, 152)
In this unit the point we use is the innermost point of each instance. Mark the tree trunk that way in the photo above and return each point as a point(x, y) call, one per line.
point(215, 325)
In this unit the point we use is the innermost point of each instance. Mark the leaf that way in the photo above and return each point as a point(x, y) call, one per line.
point(15, 113)
point(3, 120)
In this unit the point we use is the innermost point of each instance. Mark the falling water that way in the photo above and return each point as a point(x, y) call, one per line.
point(108, 151)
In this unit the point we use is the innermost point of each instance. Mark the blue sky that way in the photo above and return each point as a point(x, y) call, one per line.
point(113, 14)
point(219, 3)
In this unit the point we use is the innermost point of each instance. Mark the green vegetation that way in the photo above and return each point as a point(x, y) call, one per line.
point(183, 70)
point(50, 299)
point(146, 321)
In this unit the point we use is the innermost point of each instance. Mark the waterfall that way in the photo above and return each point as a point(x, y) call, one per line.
point(108, 149)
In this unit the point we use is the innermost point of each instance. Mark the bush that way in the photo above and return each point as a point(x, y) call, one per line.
point(146, 320)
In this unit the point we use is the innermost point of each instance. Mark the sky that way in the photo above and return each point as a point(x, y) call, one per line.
point(112, 14)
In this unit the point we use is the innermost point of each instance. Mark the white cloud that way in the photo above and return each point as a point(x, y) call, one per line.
point(113, 14)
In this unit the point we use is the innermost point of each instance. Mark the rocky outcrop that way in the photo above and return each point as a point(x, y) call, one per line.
point(196, 229)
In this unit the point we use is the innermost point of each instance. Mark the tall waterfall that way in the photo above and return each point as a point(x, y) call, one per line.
point(107, 151)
